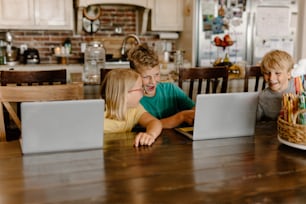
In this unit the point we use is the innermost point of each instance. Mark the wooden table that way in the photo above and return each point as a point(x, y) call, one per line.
point(254, 169)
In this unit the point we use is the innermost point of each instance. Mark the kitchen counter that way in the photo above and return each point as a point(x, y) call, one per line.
point(71, 68)
point(74, 70)
point(166, 71)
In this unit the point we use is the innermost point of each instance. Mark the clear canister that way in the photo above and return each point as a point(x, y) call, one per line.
point(94, 60)
point(178, 59)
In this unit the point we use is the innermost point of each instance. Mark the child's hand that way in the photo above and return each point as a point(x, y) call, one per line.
point(144, 138)
point(188, 116)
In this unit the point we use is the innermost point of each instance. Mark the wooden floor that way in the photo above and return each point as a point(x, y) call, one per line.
point(253, 169)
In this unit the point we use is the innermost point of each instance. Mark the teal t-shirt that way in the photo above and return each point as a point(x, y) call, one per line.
point(169, 100)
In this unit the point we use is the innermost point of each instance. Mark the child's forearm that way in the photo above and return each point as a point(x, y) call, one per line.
point(154, 128)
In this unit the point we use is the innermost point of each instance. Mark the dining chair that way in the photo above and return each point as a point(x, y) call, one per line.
point(103, 73)
point(201, 74)
point(252, 72)
point(39, 77)
point(11, 94)
point(29, 78)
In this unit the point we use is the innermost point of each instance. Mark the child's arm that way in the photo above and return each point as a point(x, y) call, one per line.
point(153, 129)
point(175, 120)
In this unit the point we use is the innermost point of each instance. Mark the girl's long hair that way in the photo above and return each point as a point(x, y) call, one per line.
point(114, 90)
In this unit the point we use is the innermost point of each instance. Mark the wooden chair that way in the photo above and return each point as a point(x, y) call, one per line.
point(9, 94)
point(253, 72)
point(209, 74)
point(33, 77)
point(29, 78)
point(103, 73)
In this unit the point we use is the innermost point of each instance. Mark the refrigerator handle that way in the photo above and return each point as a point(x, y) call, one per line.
point(250, 37)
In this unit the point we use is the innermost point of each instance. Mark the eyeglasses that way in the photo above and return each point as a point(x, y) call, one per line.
point(133, 90)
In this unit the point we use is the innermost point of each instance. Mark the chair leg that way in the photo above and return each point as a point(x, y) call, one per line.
point(6, 116)
point(13, 114)
point(2, 125)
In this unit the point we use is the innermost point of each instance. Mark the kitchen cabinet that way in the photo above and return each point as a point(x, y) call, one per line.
point(36, 14)
point(167, 15)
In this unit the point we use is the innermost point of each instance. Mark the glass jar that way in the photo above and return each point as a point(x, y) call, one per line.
point(178, 59)
point(94, 60)
point(2, 55)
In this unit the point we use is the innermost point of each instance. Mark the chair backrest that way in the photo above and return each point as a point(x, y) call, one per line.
point(253, 72)
point(103, 73)
point(208, 74)
point(29, 78)
point(33, 77)
point(10, 94)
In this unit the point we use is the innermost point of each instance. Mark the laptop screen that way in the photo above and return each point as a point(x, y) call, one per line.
point(52, 126)
point(223, 115)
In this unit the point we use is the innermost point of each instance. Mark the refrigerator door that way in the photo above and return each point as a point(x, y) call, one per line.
point(234, 23)
point(274, 28)
point(255, 26)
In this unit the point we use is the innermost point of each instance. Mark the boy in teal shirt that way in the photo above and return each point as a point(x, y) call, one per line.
point(165, 101)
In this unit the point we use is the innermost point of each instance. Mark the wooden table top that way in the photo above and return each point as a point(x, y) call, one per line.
point(253, 169)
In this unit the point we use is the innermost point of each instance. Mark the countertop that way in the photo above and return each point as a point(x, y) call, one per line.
point(166, 70)
point(71, 68)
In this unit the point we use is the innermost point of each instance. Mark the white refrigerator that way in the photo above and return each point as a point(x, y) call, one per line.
point(254, 26)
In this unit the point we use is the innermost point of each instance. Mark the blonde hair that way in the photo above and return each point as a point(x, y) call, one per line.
point(142, 58)
point(277, 60)
point(114, 90)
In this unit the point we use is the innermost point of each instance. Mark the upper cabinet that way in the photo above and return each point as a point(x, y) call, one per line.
point(36, 14)
point(142, 3)
point(167, 15)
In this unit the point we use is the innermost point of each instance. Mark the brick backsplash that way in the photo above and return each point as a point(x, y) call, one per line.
point(111, 17)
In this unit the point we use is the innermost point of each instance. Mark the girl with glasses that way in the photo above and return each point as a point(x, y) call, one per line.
point(122, 91)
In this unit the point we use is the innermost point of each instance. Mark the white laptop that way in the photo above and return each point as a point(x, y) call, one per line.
point(55, 126)
point(223, 115)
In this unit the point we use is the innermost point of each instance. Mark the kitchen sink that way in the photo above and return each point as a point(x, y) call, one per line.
point(117, 63)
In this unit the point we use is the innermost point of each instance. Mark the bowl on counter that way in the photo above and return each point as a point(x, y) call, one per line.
point(11, 55)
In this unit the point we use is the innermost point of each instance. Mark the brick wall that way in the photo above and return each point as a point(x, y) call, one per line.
point(111, 17)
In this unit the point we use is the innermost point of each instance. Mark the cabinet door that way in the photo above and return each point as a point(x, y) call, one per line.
point(167, 15)
point(55, 14)
point(36, 14)
point(16, 13)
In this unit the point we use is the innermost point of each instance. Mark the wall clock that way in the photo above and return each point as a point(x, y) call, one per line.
point(92, 12)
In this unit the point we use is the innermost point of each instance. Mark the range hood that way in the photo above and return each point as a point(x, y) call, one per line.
point(143, 3)
point(146, 4)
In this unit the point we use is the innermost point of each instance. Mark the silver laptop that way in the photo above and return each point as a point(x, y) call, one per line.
point(223, 115)
point(55, 126)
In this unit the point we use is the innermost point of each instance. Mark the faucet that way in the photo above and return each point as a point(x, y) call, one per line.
point(9, 39)
point(123, 47)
